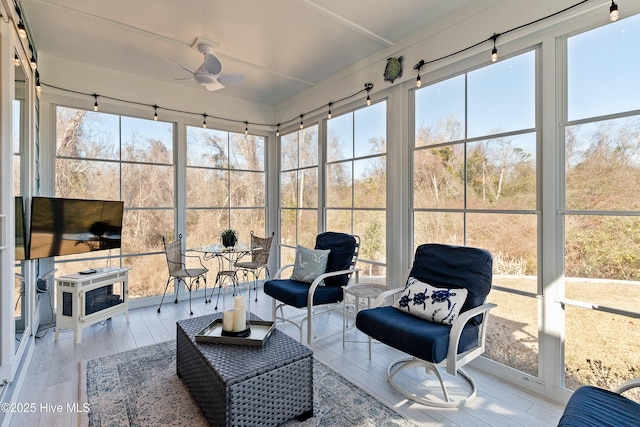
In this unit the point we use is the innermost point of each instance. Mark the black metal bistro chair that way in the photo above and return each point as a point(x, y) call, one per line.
point(178, 270)
point(260, 250)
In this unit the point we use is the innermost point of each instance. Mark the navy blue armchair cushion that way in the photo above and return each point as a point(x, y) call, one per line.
point(593, 406)
point(446, 266)
point(295, 293)
point(343, 248)
point(407, 333)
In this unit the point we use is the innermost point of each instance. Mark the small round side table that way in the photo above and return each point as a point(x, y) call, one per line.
point(368, 290)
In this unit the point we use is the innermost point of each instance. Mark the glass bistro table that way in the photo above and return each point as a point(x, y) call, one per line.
point(226, 257)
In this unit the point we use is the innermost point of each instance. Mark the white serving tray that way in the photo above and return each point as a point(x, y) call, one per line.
point(260, 331)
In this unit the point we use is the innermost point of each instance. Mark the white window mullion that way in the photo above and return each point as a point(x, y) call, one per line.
point(180, 177)
point(551, 110)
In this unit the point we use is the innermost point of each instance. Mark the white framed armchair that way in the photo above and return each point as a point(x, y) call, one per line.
point(440, 319)
point(324, 290)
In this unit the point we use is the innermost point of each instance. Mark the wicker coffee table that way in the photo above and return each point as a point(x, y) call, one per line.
point(237, 385)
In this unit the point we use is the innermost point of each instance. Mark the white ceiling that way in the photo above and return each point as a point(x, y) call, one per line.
point(282, 46)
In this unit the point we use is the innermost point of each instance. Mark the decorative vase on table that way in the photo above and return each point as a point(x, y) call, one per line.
point(229, 237)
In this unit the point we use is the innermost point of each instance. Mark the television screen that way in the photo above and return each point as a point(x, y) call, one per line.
point(21, 231)
point(71, 226)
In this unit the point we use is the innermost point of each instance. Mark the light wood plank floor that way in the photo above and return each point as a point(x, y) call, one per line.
point(52, 377)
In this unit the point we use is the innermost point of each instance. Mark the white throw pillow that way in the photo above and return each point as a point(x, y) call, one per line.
point(438, 305)
point(309, 264)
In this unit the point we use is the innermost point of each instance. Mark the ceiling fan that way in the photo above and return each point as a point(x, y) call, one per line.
point(208, 74)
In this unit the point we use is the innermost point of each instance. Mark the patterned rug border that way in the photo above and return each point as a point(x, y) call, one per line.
point(83, 421)
point(83, 418)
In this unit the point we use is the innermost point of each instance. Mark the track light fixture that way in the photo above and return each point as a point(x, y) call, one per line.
point(494, 51)
point(33, 64)
point(329, 113)
point(368, 87)
point(204, 121)
point(16, 60)
point(246, 128)
point(38, 85)
point(95, 104)
point(301, 123)
point(22, 31)
point(278, 129)
point(155, 113)
point(614, 13)
point(418, 66)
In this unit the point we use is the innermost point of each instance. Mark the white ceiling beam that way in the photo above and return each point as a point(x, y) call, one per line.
point(309, 4)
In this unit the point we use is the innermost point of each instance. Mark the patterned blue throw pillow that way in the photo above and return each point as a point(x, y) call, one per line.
point(309, 264)
point(438, 305)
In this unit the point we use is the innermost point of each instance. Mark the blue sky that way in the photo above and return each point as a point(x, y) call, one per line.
point(597, 85)
point(500, 98)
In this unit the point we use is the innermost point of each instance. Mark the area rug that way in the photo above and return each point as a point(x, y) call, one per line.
point(140, 388)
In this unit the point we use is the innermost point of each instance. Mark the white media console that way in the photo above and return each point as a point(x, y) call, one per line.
point(85, 299)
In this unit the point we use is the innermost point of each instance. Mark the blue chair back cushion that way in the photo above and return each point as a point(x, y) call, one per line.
point(415, 336)
point(445, 266)
point(343, 247)
point(593, 406)
point(295, 293)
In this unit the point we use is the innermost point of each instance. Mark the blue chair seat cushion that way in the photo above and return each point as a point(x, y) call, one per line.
point(593, 406)
point(412, 335)
point(295, 293)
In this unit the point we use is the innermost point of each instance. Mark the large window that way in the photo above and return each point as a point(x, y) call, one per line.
point(112, 157)
point(356, 182)
point(298, 191)
point(225, 186)
point(474, 184)
point(602, 207)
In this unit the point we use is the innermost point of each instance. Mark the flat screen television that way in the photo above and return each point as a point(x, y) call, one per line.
point(21, 231)
point(62, 226)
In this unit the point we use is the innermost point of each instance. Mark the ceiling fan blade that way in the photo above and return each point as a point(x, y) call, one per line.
point(211, 64)
point(230, 79)
point(178, 65)
point(213, 86)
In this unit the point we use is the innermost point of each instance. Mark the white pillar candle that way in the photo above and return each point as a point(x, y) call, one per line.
point(227, 321)
point(238, 302)
point(239, 319)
